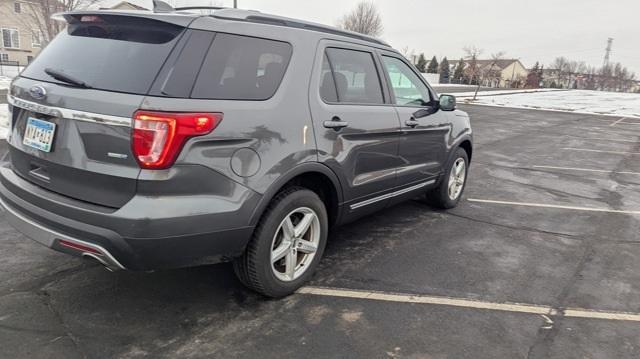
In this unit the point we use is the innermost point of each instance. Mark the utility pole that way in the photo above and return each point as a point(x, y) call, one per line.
point(607, 52)
point(235, 4)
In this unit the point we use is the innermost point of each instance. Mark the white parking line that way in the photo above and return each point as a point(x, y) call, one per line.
point(618, 121)
point(586, 170)
point(600, 151)
point(427, 299)
point(606, 139)
point(555, 206)
point(542, 310)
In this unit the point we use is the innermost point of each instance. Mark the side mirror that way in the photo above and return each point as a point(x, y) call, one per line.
point(447, 102)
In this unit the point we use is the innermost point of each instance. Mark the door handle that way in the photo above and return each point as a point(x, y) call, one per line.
point(336, 124)
point(412, 122)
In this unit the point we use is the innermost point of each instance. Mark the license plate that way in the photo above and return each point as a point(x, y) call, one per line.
point(39, 134)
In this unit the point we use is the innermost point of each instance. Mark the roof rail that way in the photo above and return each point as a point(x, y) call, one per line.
point(287, 22)
point(200, 8)
point(163, 7)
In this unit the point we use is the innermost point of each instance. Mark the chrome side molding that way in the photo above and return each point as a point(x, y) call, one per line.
point(391, 195)
point(69, 113)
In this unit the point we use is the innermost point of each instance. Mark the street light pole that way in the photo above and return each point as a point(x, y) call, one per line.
point(235, 4)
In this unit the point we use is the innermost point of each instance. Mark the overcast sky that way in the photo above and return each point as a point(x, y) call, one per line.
point(531, 30)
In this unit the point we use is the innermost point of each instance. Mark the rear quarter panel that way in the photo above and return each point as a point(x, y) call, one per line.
point(257, 141)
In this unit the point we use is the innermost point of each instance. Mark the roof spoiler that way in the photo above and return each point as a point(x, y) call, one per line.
point(171, 17)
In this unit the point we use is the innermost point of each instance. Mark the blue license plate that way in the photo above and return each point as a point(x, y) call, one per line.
point(39, 134)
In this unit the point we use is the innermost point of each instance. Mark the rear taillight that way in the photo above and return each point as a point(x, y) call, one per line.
point(158, 137)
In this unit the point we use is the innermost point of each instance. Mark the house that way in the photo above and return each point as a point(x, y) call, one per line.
point(497, 73)
point(21, 39)
point(126, 5)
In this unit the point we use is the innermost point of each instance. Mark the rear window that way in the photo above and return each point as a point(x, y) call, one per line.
point(242, 68)
point(108, 52)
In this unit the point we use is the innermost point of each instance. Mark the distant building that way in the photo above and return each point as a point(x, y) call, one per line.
point(125, 5)
point(498, 73)
point(21, 38)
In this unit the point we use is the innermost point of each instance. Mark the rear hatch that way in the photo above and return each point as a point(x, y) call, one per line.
point(73, 105)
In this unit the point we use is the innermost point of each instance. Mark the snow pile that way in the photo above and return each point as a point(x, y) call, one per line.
point(4, 82)
point(577, 101)
point(4, 120)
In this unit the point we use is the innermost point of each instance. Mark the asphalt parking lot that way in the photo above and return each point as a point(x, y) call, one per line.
point(540, 260)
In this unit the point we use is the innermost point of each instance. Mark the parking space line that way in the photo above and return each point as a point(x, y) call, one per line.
point(555, 206)
point(596, 314)
point(600, 151)
point(586, 170)
point(628, 123)
point(618, 121)
point(427, 299)
point(606, 139)
point(543, 310)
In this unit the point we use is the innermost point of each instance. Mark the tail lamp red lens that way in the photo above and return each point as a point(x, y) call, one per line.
point(158, 137)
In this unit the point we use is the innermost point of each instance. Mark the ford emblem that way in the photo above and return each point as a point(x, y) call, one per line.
point(38, 92)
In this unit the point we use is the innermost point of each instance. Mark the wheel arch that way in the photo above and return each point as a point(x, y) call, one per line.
point(314, 176)
point(467, 145)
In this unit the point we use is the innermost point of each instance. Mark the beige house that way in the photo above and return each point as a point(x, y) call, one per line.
point(21, 40)
point(125, 5)
point(503, 73)
point(498, 73)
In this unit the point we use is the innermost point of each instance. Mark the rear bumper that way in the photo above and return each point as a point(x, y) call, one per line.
point(145, 234)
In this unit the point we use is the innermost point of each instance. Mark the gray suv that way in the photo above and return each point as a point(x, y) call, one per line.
point(163, 139)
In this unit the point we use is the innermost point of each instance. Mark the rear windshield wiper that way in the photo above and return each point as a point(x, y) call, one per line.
point(61, 76)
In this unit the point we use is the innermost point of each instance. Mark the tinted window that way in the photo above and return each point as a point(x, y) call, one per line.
point(177, 77)
point(408, 89)
point(242, 68)
point(355, 76)
point(115, 53)
point(327, 84)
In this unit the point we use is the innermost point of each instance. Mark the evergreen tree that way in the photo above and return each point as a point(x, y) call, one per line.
point(422, 63)
point(458, 73)
point(533, 79)
point(433, 66)
point(444, 70)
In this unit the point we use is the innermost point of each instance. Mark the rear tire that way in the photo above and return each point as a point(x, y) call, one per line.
point(449, 191)
point(286, 245)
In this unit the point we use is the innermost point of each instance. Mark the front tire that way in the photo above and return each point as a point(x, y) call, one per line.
point(449, 191)
point(287, 244)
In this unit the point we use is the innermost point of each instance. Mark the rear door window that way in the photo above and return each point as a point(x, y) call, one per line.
point(242, 68)
point(355, 75)
point(108, 52)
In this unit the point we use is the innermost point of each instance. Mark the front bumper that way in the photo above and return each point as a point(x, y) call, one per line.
point(145, 234)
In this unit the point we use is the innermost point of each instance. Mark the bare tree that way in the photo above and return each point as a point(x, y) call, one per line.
point(472, 71)
point(365, 19)
point(40, 12)
point(560, 64)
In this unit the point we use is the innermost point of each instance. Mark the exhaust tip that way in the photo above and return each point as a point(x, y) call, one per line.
point(93, 257)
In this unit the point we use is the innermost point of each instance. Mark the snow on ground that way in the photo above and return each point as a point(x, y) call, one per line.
point(577, 101)
point(4, 82)
point(452, 85)
point(465, 95)
point(4, 120)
